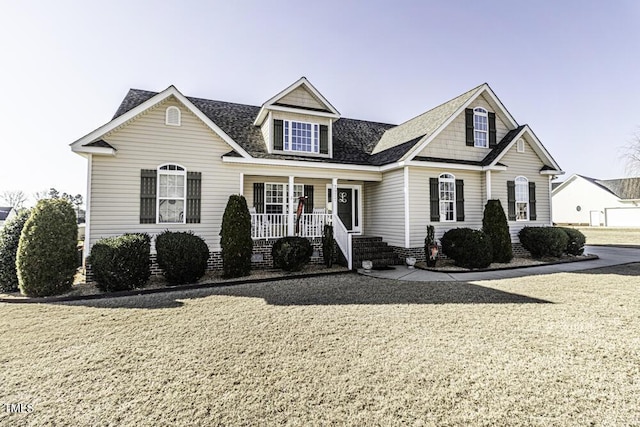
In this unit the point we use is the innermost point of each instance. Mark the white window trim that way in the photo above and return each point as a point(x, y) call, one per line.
point(520, 145)
point(166, 116)
point(285, 195)
point(447, 178)
point(523, 181)
point(287, 143)
point(484, 113)
point(182, 172)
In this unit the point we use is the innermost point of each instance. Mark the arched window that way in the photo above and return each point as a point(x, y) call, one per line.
point(172, 190)
point(522, 198)
point(447, 190)
point(480, 127)
point(172, 116)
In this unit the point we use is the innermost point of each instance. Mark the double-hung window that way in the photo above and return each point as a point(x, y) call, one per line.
point(447, 189)
point(276, 195)
point(301, 136)
point(172, 189)
point(522, 198)
point(480, 127)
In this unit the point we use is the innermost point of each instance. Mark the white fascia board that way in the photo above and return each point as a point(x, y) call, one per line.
point(302, 111)
point(94, 150)
point(302, 164)
point(156, 99)
point(301, 81)
point(539, 149)
point(552, 172)
point(565, 183)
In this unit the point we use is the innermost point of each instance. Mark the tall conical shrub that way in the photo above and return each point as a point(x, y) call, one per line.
point(9, 240)
point(236, 241)
point(47, 257)
point(494, 224)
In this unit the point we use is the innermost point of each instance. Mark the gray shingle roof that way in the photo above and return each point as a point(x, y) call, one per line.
point(99, 143)
point(624, 188)
point(501, 146)
point(4, 212)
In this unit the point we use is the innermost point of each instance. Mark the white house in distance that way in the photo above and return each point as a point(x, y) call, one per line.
point(581, 200)
point(6, 213)
point(168, 161)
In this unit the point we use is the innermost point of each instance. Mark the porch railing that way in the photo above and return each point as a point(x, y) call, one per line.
point(344, 240)
point(274, 226)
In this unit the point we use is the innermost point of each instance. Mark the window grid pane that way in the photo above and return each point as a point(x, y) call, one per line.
point(522, 199)
point(447, 197)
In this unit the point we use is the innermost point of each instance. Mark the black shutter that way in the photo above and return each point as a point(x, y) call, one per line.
point(308, 193)
point(277, 135)
point(194, 190)
point(148, 196)
point(511, 200)
point(532, 201)
point(434, 197)
point(468, 113)
point(459, 200)
point(324, 139)
point(258, 196)
point(492, 130)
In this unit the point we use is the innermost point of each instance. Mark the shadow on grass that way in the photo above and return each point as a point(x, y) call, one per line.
point(348, 289)
point(630, 269)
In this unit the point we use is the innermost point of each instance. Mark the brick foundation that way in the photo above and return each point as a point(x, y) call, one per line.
point(418, 253)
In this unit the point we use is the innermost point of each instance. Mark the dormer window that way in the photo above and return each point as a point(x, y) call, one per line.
point(172, 116)
point(300, 136)
point(480, 127)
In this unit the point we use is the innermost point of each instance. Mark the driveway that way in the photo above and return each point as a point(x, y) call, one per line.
point(608, 256)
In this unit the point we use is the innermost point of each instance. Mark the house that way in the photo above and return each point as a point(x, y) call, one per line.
point(6, 213)
point(581, 200)
point(167, 161)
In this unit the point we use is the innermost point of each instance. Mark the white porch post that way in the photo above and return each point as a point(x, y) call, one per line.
point(488, 184)
point(334, 201)
point(290, 223)
point(241, 192)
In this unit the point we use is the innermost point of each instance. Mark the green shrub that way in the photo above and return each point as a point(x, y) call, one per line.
point(47, 257)
point(9, 239)
point(468, 248)
point(328, 245)
point(121, 263)
point(576, 243)
point(544, 241)
point(430, 247)
point(182, 256)
point(291, 253)
point(494, 225)
point(236, 242)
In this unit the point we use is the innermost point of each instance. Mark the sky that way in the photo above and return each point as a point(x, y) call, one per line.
point(569, 69)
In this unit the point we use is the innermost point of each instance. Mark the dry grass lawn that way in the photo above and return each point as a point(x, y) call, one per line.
point(611, 236)
point(559, 349)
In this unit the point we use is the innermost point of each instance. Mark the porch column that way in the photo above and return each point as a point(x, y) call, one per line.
point(241, 192)
point(292, 209)
point(334, 201)
point(488, 185)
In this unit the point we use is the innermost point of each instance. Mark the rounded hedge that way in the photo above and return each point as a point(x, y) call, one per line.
point(235, 238)
point(47, 257)
point(291, 253)
point(468, 248)
point(182, 256)
point(9, 240)
point(577, 240)
point(544, 241)
point(494, 225)
point(121, 263)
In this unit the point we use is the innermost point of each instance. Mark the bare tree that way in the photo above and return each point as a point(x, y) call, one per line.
point(631, 155)
point(15, 198)
point(40, 195)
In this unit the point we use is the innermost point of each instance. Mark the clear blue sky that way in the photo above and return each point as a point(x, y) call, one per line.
point(570, 69)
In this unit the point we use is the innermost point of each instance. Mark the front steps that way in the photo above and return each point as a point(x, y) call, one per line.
point(373, 249)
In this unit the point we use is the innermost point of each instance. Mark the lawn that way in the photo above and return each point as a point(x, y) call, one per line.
point(611, 236)
point(559, 349)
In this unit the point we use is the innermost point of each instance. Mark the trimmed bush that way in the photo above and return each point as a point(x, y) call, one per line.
point(182, 256)
point(468, 248)
point(236, 242)
point(9, 240)
point(291, 253)
point(328, 245)
point(576, 243)
point(544, 241)
point(47, 257)
point(121, 263)
point(494, 225)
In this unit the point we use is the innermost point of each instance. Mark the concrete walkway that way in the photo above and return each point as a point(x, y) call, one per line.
point(609, 256)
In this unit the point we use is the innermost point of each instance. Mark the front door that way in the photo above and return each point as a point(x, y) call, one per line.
point(348, 206)
point(345, 207)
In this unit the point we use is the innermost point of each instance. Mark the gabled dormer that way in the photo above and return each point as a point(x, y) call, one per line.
point(298, 121)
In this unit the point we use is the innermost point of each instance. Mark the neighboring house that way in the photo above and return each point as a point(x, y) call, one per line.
point(167, 161)
point(580, 200)
point(6, 213)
